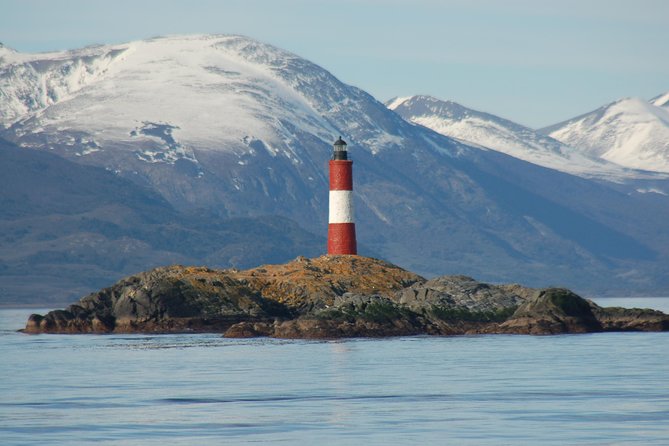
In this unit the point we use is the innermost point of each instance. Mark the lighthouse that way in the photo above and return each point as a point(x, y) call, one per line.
point(341, 228)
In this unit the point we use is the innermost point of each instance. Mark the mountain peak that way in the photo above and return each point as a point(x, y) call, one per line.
point(397, 101)
point(661, 100)
point(631, 132)
point(196, 82)
point(425, 105)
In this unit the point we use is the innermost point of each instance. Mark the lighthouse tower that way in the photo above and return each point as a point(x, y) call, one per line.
point(341, 228)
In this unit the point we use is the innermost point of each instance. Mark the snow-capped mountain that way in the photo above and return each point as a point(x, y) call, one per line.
point(202, 95)
point(244, 129)
point(630, 132)
point(183, 100)
point(452, 119)
point(198, 84)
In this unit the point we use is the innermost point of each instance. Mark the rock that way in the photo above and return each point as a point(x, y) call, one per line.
point(167, 299)
point(551, 311)
point(249, 330)
point(312, 328)
point(462, 299)
point(180, 299)
point(630, 319)
point(308, 285)
point(331, 297)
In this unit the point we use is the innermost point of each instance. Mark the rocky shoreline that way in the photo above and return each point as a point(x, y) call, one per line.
point(332, 297)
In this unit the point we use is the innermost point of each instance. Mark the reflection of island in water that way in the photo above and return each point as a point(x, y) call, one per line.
point(332, 297)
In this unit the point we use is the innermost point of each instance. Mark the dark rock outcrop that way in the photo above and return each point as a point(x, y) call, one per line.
point(332, 297)
point(557, 310)
point(167, 299)
point(179, 299)
point(461, 298)
point(551, 311)
point(630, 319)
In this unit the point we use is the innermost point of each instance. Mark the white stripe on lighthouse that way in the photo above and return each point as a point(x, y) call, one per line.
point(341, 206)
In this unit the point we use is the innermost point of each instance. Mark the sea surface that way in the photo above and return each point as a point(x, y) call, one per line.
point(594, 389)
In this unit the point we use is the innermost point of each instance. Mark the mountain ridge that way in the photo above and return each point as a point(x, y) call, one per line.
point(452, 119)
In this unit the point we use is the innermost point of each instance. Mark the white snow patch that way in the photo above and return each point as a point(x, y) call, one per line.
point(374, 208)
point(394, 103)
point(539, 227)
point(89, 150)
point(383, 140)
point(651, 190)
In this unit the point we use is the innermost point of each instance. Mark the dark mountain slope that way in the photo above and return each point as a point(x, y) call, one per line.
point(66, 228)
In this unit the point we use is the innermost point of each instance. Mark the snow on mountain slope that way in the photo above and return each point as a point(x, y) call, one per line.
point(201, 90)
point(630, 132)
point(31, 83)
point(454, 120)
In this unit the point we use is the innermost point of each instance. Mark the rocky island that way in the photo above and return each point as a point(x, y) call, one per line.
point(332, 297)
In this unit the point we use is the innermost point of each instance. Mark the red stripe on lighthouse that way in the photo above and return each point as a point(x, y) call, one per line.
point(341, 177)
point(341, 238)
point(341, 228)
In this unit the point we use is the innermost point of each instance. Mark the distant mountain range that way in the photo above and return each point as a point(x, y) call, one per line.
point(590, 145)
point(225, 140)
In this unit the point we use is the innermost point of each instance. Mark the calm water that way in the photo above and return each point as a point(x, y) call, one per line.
point(595, 389)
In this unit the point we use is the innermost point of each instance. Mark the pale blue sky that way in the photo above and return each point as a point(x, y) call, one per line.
point(533, 61)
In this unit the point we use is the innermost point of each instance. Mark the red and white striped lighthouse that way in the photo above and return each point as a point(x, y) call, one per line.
point(341, 228)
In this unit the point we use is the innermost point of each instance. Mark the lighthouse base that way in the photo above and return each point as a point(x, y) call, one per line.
point(341, 239)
